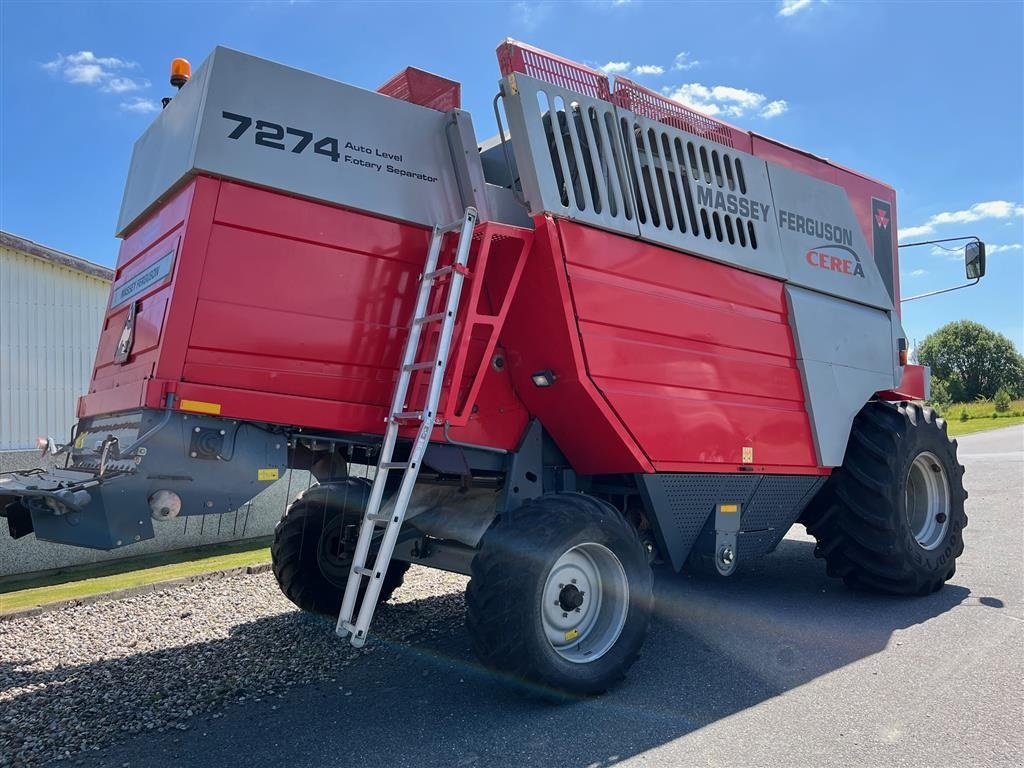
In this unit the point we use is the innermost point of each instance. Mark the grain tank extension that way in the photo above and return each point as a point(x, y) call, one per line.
point(620, 333)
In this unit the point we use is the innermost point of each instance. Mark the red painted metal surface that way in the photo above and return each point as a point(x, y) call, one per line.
point(514, 56)
point(418, 86)
point(647, 103)
point(288, 311)
point(911, 388)
point(541, 334)
point(695, 358)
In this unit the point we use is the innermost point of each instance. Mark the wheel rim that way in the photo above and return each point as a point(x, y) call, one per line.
point(586, 597)
point(927, 500)
point(337, 543)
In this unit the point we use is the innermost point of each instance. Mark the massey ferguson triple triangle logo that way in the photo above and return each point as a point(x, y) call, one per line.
point(881, 218)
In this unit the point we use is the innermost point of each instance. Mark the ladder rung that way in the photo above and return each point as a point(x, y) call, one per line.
point(408, 416)
point(435, 318)
point(437, 273)
point(424, 366)
point(378, 518)
point(364, 571)
point(393, 465)
point(446, 271)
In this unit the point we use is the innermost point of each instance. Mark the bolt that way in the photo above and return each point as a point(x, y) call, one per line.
point(565, 615)
point(222, 433)
point(194, 454)
point(209, 505)
point(574, 581)
point(561, 586)
point(726, 555)
point(196, 429)
point(940, 518)
point(137, 537)
point(577, 610)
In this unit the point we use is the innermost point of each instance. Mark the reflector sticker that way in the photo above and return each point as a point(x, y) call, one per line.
point(572, 634)
point(198, 406)
point(748, 454)
point(728, 508)
point(267, 474)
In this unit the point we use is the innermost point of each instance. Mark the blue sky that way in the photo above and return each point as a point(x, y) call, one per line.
point(928, 97)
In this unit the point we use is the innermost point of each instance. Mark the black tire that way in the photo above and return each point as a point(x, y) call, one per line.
point(509, 574)
point(313, 543)
point(860, 517)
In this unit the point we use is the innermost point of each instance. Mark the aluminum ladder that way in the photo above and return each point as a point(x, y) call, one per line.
point(350, 624)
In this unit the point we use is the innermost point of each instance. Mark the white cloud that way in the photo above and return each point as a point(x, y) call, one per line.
point(990, 249)
point(615, 67)
point(531, 15)
point(792, 7)
point(140, 106)
point(648, 69)
point(725, 100)
point(774, 109)
point(919, 272)
point(103, 72)
point(993, 209)
point(683, 62)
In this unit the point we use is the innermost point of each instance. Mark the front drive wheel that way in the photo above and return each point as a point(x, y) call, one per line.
point(891, 519)
point(560, 595)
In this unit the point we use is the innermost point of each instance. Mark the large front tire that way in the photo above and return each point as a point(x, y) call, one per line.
point(314, 542)
point(891, 518)
point(560, 595)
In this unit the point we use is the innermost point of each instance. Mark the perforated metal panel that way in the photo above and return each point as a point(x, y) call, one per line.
point(682, 505)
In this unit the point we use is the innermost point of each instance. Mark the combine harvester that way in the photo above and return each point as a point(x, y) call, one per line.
point(618, 334)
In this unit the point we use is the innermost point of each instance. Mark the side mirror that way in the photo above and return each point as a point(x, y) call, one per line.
point(974, 260)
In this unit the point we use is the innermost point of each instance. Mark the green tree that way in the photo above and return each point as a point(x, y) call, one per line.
point(973, 361)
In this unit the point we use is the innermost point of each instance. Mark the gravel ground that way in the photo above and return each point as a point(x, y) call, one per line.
point(77, 679)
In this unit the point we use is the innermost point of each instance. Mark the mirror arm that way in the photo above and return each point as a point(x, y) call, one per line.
point(975, 281)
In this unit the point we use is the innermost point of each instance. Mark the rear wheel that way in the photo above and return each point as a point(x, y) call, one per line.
point(891, 518)
point(560, 595)
point(314, 543)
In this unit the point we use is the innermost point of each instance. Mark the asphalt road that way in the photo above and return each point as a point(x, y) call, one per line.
point(777, 667)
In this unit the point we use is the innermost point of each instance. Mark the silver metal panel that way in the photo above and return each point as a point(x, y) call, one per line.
point(393, 157)
point(841, 362)
point(163, 155)
point(576, 171)
point(822, 242)
point(469, 171)
point(697, 196)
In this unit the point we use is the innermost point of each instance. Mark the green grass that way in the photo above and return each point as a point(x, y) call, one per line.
point(29, 591)
point(957, 427)
point(980, 417)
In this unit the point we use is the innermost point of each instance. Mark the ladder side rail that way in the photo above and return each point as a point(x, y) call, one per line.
point(366, 532)
point(394, 524)
point(371, 515)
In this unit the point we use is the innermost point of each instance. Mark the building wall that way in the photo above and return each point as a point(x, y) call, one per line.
point(50, 318)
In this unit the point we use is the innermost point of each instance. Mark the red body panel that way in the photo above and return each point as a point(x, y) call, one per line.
point(696, 358)
point(281, 310)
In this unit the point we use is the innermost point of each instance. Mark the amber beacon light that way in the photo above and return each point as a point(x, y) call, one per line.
point(181, 71)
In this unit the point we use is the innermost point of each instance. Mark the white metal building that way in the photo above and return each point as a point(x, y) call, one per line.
point(51, 309)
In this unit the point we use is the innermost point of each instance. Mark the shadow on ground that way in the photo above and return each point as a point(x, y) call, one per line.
point(717, 647)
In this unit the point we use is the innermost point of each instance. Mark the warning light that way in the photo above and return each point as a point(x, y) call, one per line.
point(181, 71)
point(904, 356)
